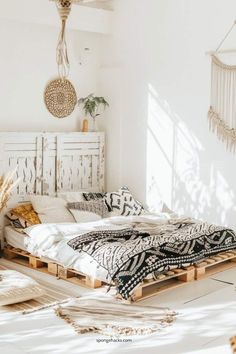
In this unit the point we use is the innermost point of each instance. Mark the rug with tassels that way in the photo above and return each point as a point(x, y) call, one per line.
point(107, 316)
point(96, 312)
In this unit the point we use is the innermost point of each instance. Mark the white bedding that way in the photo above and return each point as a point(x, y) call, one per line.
point(15, 238)
point(50, 240)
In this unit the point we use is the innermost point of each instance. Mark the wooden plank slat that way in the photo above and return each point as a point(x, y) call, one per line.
point(95, 171)
point(38, 173)
point(102, 163)
point(48, 266)
point(163, 282)
point(215, 264)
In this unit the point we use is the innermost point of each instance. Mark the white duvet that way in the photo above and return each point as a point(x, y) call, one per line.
point(50, 240)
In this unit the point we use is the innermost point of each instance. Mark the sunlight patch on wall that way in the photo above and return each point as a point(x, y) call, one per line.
point(177, 170)
point(160, 142)
point(190, 194)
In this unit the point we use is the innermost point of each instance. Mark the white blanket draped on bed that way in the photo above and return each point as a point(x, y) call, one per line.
point(50, 240)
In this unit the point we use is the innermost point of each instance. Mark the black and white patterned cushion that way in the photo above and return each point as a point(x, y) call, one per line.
point(19, 224)
point(93, 196)
point(123, 202)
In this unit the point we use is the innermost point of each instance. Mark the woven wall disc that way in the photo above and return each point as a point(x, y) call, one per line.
point(60, 98)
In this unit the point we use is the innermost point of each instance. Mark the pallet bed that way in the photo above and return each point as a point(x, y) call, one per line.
point(150, 287)
point(45, 265)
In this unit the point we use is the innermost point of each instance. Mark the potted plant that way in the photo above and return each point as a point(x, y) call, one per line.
point(92, 105)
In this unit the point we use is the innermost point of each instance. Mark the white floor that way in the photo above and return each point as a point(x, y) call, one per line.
point(206, 321)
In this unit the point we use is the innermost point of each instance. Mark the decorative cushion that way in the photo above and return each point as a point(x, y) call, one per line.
point(51, 209)
point(123, 202)
point(93, 196)
point(16, 287)
point(71, 197)
point(23, 216)
point(17, 223)
point(27, 212)
point(88, 211)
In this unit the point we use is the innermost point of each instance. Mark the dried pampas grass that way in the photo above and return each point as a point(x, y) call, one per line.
point(7, 184)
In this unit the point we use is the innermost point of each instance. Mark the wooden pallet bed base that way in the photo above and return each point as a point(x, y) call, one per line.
point(167, 281)
point(215, 264)
point(48, 266)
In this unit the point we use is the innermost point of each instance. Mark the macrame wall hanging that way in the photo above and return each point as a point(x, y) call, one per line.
point(60, 96)
point(222, 112)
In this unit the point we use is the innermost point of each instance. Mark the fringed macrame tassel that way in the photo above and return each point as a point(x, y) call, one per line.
point(226, 134)
point(222, 113)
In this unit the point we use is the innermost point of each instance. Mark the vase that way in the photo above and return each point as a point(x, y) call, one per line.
point(85, 126)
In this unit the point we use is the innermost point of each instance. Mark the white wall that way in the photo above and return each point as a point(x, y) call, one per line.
point(27, 63)
point(157, 77)
point(28, 35)
point(82, 18)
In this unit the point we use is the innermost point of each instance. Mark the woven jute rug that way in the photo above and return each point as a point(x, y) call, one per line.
point(53, 297)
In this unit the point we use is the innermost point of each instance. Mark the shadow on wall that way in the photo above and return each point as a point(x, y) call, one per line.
point(176, 172)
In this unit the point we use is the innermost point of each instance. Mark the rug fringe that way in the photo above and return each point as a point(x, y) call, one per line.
point(116, 330)
point(26, 312)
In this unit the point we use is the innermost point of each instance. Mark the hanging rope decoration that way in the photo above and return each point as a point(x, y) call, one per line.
point(60, 96)
point(222, 112)
point(64, 9)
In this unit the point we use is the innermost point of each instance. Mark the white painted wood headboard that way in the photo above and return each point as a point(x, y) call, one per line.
point(48, 163)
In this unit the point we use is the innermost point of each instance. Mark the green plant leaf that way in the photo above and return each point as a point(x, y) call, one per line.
point(91, 104)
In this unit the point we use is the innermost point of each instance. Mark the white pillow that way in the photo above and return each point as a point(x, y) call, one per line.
point(88, 211)
point(71, 197)
point(84, 216)
point(51, 209)
point(16, 287)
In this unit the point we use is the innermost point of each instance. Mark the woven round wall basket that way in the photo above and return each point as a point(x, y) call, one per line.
point(60, 98)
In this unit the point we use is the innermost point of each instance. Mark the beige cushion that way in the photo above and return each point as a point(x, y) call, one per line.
point(71, 196)
point(51, 209)
point(84, 216)
point(16, 287)
point(88, 211)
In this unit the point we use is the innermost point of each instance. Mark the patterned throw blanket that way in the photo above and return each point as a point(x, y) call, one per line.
point(130, 255)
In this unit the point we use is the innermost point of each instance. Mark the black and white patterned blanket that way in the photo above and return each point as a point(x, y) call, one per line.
point(130, 255)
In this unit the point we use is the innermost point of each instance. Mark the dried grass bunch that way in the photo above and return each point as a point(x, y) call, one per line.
point(7, 184)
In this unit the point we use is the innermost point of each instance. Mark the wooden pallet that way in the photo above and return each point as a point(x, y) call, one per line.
point(24, 258)
point(164, 282)
point(48, 266)
point(215, 264)
point(146, 289)
point(75, 277)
